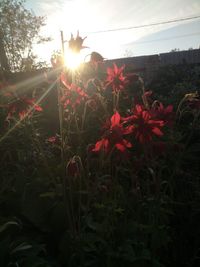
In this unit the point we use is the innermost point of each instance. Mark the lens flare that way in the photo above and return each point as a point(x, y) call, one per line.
point(72, 60)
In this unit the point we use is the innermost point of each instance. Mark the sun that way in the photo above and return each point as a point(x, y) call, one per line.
point(72, 60)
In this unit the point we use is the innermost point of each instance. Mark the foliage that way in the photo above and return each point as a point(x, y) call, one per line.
point(20, 29)
point(117, 185)
point(174, 81)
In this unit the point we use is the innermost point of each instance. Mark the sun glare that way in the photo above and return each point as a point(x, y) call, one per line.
point(72, 60)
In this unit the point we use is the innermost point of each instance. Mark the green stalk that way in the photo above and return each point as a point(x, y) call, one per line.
point(60, 109)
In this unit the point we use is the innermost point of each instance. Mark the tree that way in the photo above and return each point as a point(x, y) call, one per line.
point(128, 53)
point(19, 30)
point(3, 58)
point(175, 50)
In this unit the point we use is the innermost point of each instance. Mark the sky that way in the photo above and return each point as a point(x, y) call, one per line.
point(89, 16)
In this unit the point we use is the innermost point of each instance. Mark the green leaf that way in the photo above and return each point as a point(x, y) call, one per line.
point(6, 225)
point(21, 247)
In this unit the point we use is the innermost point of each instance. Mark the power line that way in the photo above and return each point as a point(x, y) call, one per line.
point(167, 38)
point(145, 25)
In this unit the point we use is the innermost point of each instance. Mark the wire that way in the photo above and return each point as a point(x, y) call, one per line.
point(165, 39)
point(144, 25)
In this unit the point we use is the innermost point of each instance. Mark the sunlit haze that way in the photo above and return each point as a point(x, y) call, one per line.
point(90, 16)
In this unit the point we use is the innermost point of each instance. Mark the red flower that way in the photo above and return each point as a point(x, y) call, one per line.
point(115, 78)
point(143, 126)
point(22, 107)
point(73, 97)
point(76, 44)
point(164, 114)
point(113, 136)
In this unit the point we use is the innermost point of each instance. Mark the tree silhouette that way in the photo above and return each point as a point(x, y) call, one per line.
point(19, 30)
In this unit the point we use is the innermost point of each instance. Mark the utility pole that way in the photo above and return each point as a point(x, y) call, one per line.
point(62, 42)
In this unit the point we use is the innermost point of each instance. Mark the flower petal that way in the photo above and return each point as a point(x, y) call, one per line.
point(115, 119)
point(157, 131)
point(98, 146)
point(120, 147)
